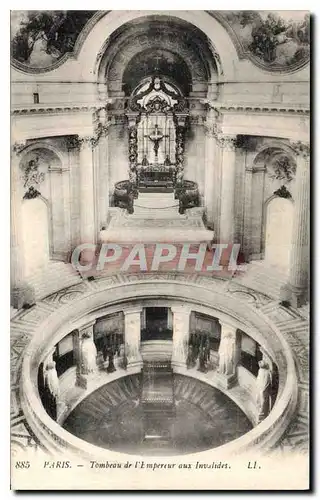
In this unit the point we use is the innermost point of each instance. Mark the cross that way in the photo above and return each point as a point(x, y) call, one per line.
point(156, 137)
point(157, 61)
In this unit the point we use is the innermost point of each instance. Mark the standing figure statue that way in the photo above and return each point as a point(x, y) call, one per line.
point(190, 357)
point(52, 380)
point(263, 388)
point(227, 355)
point(88, 354)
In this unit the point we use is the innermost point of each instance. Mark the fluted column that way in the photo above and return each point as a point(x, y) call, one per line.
point(87, 216)
point(132, 335)
point(181, 321)
point(228, 159)
point(296, 291)
point(228, 355)
point(21, 293)
point(85, 355)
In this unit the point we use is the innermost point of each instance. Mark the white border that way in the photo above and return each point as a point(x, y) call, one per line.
point(312, 5)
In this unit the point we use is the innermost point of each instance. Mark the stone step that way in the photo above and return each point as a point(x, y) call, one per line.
point(56, 276)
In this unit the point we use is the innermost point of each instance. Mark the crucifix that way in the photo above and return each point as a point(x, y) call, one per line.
point(156, 137)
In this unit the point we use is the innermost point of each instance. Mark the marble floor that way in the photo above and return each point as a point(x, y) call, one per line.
point(113, 418)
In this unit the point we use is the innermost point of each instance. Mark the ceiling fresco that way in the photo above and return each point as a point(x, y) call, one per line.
point(274, 40)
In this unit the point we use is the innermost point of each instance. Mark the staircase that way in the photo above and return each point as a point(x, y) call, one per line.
point(157, 401)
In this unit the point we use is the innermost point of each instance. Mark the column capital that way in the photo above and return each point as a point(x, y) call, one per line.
point(18, 147)
point(212, 129)
point(301, 148)
point(88, 140)
point(227, 142)
point(72, 142)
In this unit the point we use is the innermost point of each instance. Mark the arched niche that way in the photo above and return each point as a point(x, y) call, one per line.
point(278, 232)
point(274, 167)
point(44, 208)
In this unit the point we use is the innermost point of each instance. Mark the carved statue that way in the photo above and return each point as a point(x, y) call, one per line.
point(88, 354)
point(190, 357)
point(227, 355)
point(52, 380)
point(263, 387)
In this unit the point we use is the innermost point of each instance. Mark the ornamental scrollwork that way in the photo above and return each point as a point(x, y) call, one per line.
point(227, 142)
point(32, 178)
point(283, 193)
point(18, 147)
point(282, 168)
point(301, 148)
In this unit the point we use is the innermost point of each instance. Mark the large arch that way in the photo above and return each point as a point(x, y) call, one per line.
point(94, 46)
point(153, 34)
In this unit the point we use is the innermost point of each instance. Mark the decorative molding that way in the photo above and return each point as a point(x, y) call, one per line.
point(31, 178)
point(301, 149)
point(227, 142)
point(53, 109)
point(283, 193)
point(72, 142)
point(266, 108)
point(218, 106)
point(18, 147)
point(282, 168)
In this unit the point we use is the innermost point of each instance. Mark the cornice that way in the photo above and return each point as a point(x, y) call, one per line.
point(264, 108)
point(215, 105)
point(59, 108)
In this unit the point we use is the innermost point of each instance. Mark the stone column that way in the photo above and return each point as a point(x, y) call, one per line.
point(247, 224)
point(210, 190)
point(87, 199)
point(103, 155)
point(73, 154)
point(85, 355)
point(228, 158)
point(181, 320)
point(296, 291)
point(132, 336)
point(228, 355)
point(21, 293)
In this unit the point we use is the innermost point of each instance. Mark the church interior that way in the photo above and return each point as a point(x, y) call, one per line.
point(159, 127)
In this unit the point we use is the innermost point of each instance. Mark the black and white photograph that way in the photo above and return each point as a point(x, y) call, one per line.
point(160, 249)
